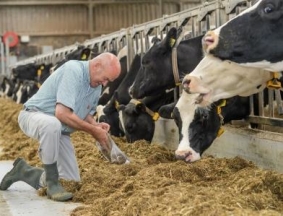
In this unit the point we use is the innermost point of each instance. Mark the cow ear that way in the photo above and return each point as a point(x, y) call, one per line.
point(85, 54)
point(140, 108)
point(171, 38)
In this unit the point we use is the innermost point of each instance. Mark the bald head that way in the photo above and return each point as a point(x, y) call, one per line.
point(104, 68)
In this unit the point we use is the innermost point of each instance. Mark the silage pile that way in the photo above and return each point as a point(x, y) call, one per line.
point(154, 183)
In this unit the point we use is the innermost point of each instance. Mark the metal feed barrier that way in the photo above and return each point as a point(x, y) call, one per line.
point(194, 22)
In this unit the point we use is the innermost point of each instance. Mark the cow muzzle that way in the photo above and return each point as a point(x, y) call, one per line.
point(193, 85)
point(209, 41)
point(187, 155)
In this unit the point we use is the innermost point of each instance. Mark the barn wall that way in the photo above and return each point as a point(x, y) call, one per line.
point(65, 22)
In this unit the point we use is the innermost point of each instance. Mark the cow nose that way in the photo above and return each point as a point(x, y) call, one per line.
point(192, 85)
point(183, 155)
point(209, 41)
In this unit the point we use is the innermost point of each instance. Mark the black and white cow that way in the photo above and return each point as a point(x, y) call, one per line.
point(81, 53)
point(239, 58)
point(27, 79)
point(196, 134)
point(138, 118)
point(6, 86)
point(156, 73)
point(253, 38)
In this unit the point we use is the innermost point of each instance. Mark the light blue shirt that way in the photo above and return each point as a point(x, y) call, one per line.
point(70, 86)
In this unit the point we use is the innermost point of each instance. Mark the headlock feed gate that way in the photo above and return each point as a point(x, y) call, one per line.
point(193, 22)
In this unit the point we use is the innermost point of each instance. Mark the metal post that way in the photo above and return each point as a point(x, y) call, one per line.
point(7, 57)
point(2, 54)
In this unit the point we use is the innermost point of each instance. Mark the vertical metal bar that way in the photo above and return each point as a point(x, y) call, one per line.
point(270, 102)
point(130, 48)
point(278, 101)
point(2, 54)
point(160, 8)
point(251, 105)
point(260, 103)
point(90, 19)
point(261, 107)
point(7, 49)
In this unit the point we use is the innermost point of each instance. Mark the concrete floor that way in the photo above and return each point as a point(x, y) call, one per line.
point(21, 199)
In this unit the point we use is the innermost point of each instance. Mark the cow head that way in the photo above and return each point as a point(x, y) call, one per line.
point(198, 131)
point(156, 71)
point(81, 53)
point(214, 79)
point(136, 122)
point(253, 38)
point(109, 115)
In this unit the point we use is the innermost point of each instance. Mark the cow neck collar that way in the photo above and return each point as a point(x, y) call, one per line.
point(175, 66)
point(154, 115)
point(175, 63)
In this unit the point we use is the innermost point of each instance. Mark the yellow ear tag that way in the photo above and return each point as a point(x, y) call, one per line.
point(155, 117)
point(220, 132)
point(38, 72)
point(116, 104)
point(83, 57)
point(274, 83)
point(42, 67)
point(172, 42)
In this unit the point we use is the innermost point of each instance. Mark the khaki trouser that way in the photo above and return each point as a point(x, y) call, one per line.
point(53, 146)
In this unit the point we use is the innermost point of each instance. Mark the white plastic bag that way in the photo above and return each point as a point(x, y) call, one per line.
point(113, 153)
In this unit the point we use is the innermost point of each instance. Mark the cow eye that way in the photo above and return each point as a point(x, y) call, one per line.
point(268, 9)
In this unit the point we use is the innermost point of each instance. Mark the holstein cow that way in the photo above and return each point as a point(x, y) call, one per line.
point(253, 38)
point(196, 134)
point(242, 81)
point(156, 74)
point(81, 53)
point(137, 118)
point(240, 56)
point(6, 86)
point(28, 79)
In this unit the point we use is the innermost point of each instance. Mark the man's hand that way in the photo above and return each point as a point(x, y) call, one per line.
point(101, 136)
point(104, 126)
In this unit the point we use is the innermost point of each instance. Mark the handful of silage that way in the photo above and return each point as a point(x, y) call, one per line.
point(112, 152)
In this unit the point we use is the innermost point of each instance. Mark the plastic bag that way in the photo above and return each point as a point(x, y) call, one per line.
point(113, 153)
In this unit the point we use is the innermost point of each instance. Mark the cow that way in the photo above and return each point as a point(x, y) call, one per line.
point(156, 73)
point(246, 44)
point(253, 38)
point(197, 132)
point(32, 71)
point(81, 53)
point(225, 79)
point(26, 90)
point(6, 86)
point(138, 118)
point(27, 79)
